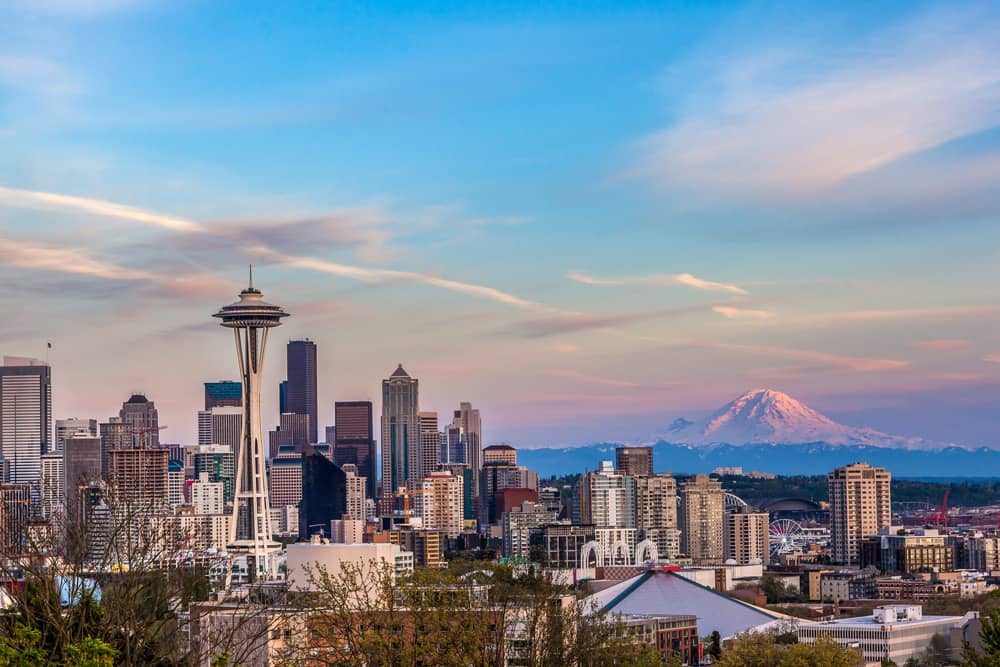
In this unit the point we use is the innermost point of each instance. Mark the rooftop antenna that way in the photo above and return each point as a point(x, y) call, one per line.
point(251, 277)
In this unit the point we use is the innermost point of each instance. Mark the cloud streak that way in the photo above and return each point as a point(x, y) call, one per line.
point(733, 313)
point(942, 345)
point(659, 280)
point(761, 128)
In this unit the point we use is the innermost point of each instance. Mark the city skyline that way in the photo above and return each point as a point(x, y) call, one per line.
point(656, 210)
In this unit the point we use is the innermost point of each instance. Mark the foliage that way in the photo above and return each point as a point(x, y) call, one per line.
point(989, 638)
point(715, 645)
point(23, 647)
point(474, 614)
point(762, 650)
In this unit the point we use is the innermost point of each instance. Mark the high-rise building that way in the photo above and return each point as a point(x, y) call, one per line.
point(704, 506)
point(138, 478)
point(519, 523)
point(71, 426)
point(204, 427)
point(400, 432)
point(207, 496)
point(354, 440)
point(115, 434)
point(656, 513)
point(227, 426)
point(860, 505)
point(301, 391)
point(293, 429)
point(324, 493)
point(219, 463)
point(430, 443)
point(286, 478)
point(250, 529)
point(53, 491)
point(140, 414)
point(746, 538)
point(609, 498)
point(25, 416)
point(223, 394)
point(462, 470)
point(81, 468)
point(15, 514)
point(438, 502)
point(357, 498)
point(500, 453)
point(470, 425)
point(635, 461)
point(175, 481)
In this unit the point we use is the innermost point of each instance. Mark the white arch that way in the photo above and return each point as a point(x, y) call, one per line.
point(588, 549)
point(646, 551)
point(617, 548)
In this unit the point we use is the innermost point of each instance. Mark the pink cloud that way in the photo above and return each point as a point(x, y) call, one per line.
point(941, 345)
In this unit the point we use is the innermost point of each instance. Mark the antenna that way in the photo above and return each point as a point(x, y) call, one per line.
point(251, 277)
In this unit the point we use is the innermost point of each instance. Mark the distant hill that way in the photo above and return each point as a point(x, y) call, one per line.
point(785, 459)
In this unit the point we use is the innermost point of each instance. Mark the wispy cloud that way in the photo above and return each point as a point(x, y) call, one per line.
point(899, 314)
point(734, 313)
point(941, 345)
point(571, 321)
point(48, 201)
point(657, 279)
point(861, 364)
point(566, 349)
point(771, 129)
point(591, 379)
point(992, 358)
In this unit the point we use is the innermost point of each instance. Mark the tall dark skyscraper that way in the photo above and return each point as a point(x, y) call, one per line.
point(300, 396)
point(354, 440)
point(25, 416)
point(324, 493)
point(635, 461)
point(400, 432)
point(223, 394)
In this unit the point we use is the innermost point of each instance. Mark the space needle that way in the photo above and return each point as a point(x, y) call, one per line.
point(250, 531)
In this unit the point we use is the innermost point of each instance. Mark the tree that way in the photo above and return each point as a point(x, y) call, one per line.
point(715, 645)
point(989, 638)
point(761, 650)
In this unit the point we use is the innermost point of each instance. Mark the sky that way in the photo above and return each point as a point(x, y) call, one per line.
point(587, 219)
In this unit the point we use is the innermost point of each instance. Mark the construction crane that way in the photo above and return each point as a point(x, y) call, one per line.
point(940, 518)
point(138, 433)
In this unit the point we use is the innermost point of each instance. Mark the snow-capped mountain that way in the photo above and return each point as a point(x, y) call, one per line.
point(765, 416)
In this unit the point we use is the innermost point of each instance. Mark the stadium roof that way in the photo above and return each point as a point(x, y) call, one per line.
point(662, 592)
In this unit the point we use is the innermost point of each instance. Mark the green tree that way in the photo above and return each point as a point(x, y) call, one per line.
point(715, 645)
point(989, 638)
point(761, 650)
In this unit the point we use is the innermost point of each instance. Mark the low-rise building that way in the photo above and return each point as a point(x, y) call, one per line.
point(848, 585)
point(893, 632)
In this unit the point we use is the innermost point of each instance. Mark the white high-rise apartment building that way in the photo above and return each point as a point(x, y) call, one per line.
point(52, 483)
point(207, 497)
point(704, 508)
point(439, 503)
point(656, 513)
point(860, 505)
point(746, 538)
point(608, 498)
point(25, 416)
point(357, 497)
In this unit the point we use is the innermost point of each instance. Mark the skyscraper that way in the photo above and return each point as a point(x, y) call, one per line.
point(430, 443)
point(746, 537)
point(227, 427)
point(354, 440)
point(500, 453)
point(439, 503)
point(138, 477)
point(250, 532)
point(704, 505)
point(68, 427)
point(470, 425)
point(25, 416)
point(860, 505)
point(293, 430)
point(656, 513)
point(400, 432)
point(140, 414)
point(301, 392)
point(635, 461)
point(610, 498)
point(115, 434)
point(324, 493)
point(81, 468)
point(223, 394)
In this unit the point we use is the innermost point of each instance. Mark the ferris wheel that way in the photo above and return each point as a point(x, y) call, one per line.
point(785, 536)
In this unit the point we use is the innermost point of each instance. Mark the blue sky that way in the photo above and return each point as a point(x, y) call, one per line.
point(586, 218)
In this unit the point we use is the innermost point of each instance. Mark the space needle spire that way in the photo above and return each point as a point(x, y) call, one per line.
point(250, 532)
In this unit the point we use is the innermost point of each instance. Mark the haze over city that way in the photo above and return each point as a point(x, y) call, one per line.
point(587, 221)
